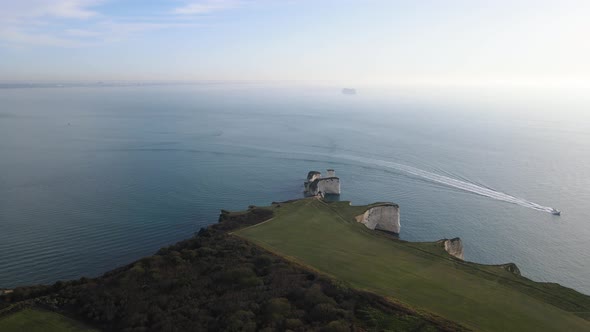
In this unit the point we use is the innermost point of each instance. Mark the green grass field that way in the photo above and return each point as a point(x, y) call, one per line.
point(32, 320)
point(421, 275)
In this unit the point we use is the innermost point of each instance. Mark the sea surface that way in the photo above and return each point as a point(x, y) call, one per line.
point(94, 177)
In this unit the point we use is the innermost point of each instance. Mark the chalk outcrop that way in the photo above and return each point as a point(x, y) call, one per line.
point(454, 247)
point(313, 175)
point(316, 185)
point(384, 217)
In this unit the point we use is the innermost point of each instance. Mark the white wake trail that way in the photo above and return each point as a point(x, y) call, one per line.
point(451, 182)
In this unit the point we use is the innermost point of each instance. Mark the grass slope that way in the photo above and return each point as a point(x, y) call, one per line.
point(32, 320)
point(488, 298)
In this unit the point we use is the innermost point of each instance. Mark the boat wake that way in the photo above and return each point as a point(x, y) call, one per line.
point(455, 183)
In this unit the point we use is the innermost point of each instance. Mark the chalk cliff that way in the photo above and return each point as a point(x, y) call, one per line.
point(383, 217)
point(323, 186)
point(316, 185)
point(454, 247)
point(313, 175)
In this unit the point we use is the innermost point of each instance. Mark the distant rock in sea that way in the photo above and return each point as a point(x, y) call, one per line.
point(316, 185)
point(349, 91)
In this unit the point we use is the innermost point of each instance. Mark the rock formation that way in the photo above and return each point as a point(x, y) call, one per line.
point(511, 267)
point(316, 185)
point(454, 247)
point(383, 217)
point(313, 175)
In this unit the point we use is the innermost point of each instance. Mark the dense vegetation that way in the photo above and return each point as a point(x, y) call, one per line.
point(219, 282)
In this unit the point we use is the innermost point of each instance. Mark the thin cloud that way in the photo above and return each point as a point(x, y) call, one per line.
point(206, 6)
point(74, 9)
point(30, 22)
point(17, 36)
point(71, 9)
point(81, 33)
point(112, 31)
point(80, 23)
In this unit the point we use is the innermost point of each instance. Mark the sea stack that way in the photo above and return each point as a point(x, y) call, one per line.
point(316, 185)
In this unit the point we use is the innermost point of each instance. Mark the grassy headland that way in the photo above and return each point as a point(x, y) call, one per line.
point(325, 237)
point(303, 265)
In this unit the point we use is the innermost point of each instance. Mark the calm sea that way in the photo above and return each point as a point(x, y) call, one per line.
point(95, 177)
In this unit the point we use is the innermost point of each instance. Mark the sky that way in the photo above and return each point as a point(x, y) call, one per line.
point(365, 41)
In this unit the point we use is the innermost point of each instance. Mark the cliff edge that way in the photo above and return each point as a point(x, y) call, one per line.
point(384, 217)
point(454, 247)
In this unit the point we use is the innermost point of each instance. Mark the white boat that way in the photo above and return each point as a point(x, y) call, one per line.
point(555, 212)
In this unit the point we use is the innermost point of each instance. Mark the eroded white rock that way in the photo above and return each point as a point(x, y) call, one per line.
point(454, 247)
point(383, 217)
point(316, 185)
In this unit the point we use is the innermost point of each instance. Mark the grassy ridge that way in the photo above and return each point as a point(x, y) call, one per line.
point(326, 237)
point(32, 320)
